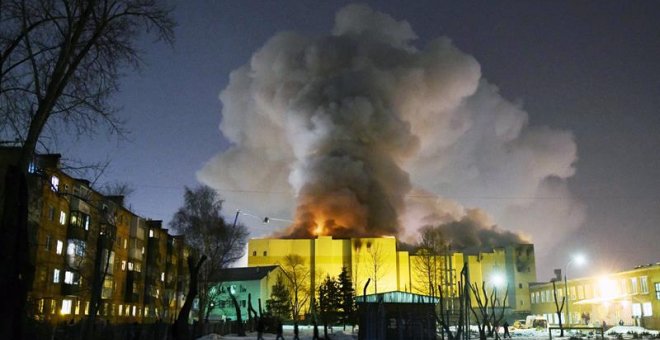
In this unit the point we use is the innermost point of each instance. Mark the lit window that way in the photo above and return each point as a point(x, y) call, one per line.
point(68, 277)
point(32, 168)
point(134, 310)
point(54, 183)
point(644, 282)
point(120, 311)
point(62, 217)
point(123, 265)
point(86, 222)
point(162, 276)
point(66, 307)
point(70, 248)
point(56, 276)
point(58, 248)
point(151, 233)
point(130, 266)
point(647, 309)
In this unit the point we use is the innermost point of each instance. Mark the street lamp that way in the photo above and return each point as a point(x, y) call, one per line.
point(498, 280)
point(499, 283)
point(579, 260)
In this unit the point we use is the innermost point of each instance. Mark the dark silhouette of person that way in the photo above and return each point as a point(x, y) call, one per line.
point(260, 328)
point(280, 330)
point(506, 330)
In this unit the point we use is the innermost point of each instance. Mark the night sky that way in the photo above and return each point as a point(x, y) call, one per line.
point(589, 68)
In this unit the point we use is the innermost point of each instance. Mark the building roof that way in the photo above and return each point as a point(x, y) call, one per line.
point(245, 273)
point(396, 297)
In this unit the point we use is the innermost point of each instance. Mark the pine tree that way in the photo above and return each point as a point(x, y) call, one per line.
point(279, 303)
point(346, 298)
point(329, 302)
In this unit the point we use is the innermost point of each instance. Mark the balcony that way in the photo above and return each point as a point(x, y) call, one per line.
point(75, 232)
point(70, 289)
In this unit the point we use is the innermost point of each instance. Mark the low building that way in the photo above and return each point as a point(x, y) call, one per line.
point(630, 297)
point(397, 315)
point(248, 285)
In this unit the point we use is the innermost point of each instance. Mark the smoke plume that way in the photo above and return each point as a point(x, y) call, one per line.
point(362, 132)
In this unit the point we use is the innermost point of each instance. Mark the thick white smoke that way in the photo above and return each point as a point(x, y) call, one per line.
point(402, 136)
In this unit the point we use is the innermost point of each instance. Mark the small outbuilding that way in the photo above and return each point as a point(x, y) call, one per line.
point(396, 315)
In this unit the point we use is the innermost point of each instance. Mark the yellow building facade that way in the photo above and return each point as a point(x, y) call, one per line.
point(630, 297)
point(389, 269)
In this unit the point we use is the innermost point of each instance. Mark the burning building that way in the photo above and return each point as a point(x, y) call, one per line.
point(367, 131)
point(389, 268)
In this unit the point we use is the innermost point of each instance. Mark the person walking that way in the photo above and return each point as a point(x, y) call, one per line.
point(260, 328)
point(280, 331)
point(506, 330)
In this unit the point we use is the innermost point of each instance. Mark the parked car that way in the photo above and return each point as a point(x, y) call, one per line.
point(536, 321)
point(519, 324)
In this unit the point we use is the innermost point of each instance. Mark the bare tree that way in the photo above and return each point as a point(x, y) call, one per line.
point(495, 304)
point(117, 189)
point(297, 275)
point(59, 64)
point(377, 259)
point(180, 330)
point(207, 233)
point(486, 306)
point(429, 261)
point(443, 314)
point(558, 308)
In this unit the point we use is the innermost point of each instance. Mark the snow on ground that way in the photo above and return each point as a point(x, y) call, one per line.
point(629, 330)
point(306, 333)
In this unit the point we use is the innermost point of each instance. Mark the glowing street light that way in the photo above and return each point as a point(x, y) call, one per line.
point(498, 280)
point(579, 260)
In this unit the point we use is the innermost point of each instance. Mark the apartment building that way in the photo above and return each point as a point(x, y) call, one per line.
point(88, 247)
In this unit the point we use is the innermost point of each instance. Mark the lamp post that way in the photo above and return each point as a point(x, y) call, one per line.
point(499, 282)
point(579, 260)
